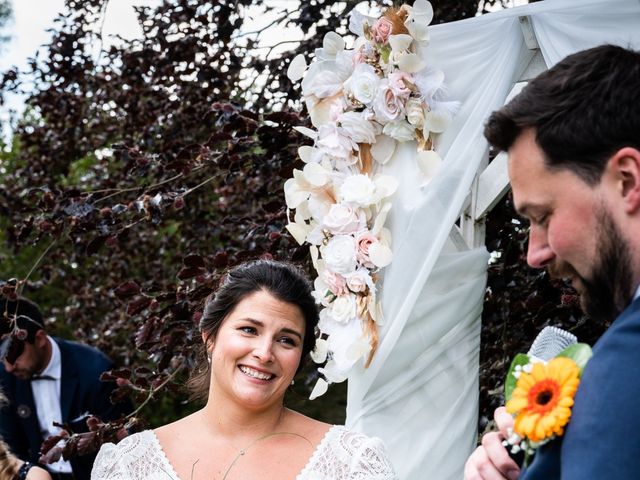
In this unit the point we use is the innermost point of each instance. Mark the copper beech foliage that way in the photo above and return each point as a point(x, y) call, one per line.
point(141, 171)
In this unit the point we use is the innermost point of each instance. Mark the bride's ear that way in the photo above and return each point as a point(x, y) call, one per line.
point(208, 342)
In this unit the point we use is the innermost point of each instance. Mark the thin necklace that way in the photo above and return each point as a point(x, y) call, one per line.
point(264, 437)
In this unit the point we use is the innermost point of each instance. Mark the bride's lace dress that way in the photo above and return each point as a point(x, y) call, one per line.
point(342, 454)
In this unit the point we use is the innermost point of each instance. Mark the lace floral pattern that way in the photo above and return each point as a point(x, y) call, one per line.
point(342, 454)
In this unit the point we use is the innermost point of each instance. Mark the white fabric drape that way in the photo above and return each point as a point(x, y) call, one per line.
point(420, 393)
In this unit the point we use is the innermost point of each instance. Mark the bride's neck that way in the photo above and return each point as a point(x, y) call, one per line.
point(233, 420)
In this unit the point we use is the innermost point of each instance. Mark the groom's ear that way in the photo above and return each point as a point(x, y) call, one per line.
point(624, 165)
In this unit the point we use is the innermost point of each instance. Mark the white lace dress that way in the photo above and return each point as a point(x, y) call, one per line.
point(341, 455)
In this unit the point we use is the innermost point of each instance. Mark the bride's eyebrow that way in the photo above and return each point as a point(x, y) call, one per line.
point(258, 323)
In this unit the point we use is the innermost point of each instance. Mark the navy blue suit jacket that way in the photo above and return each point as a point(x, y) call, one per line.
point(81, 392)
point(602, 440)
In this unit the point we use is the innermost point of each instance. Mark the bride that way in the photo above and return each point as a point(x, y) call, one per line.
point(257, 331)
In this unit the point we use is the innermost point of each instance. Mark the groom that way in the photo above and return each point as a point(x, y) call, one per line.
point(573, 139)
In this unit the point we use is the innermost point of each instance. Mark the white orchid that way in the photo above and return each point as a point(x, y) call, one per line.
point(332, 44)
point(297, 68)
point(418, 19)
point(357, 21)
point(429, 162)
point(402, 56)
point(383, 149)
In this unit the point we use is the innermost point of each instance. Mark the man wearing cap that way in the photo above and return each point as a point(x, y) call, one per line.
point(49, 380)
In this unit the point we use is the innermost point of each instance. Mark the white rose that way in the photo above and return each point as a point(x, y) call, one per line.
point(341, 219)
point(333, 143)
point(363, 83)
point(359, 280)
point(340, 254)
point(343, 308)
point(358, 190)
point(356, 127)
point(400, 130)
point(387, 106)
point(415, 112)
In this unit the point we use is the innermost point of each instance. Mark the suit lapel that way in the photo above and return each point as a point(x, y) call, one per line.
point(68, 381)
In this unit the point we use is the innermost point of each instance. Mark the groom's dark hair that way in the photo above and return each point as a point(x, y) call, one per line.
point(583, 110)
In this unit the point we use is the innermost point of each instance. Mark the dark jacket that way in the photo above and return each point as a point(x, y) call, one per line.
point(81, 392)
point(602, 440)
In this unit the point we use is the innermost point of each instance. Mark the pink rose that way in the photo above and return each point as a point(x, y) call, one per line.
point(359, 280)
point(387, 106)
point(336, 282)
point(363, 242)
point(398, 84)
point(381, 30)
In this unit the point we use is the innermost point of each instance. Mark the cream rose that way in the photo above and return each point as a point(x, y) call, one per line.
point(343, 308)
point(363, 83)
point(400, 130)
point(332, 142)
point(341, 219)
point(357, 127)
point(340, 254)
point(358, 190)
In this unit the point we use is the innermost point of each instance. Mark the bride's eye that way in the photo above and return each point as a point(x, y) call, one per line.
point(249, 330)
point(288, 341)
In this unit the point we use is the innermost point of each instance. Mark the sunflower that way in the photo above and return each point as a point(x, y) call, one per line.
point(542, 399)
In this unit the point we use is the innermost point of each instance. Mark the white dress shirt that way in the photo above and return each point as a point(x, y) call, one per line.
point(46, 396)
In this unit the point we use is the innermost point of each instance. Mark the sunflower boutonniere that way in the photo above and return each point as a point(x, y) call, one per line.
point(540, 396)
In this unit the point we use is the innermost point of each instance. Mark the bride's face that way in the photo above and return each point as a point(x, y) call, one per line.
point(257, 351)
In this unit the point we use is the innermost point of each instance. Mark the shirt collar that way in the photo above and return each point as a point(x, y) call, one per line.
point(637, 294)
point(54, 368)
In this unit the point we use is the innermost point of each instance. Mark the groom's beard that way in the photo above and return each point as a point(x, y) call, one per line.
point(609, 290)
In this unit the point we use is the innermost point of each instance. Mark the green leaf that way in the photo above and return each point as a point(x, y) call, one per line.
point(579, 353)
point(384, 53)
point(510, 381)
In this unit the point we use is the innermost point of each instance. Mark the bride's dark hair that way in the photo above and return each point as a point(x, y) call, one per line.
point(284, 281)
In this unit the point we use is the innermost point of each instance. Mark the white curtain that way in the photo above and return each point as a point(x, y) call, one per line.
point(420, 394)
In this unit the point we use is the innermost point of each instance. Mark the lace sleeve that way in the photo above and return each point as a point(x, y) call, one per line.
point(105, 465)
point(346, 455)
point(137, 457)
point(370, 461)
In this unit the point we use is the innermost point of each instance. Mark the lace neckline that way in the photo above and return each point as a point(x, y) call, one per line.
point(307, 468)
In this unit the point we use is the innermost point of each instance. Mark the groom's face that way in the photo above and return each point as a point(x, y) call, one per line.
point(571, 231)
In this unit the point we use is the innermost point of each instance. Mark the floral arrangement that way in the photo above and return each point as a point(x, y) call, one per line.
point(362, 102)
point(540, 397)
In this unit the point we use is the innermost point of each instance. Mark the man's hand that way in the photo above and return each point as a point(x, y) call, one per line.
point(490, 461)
